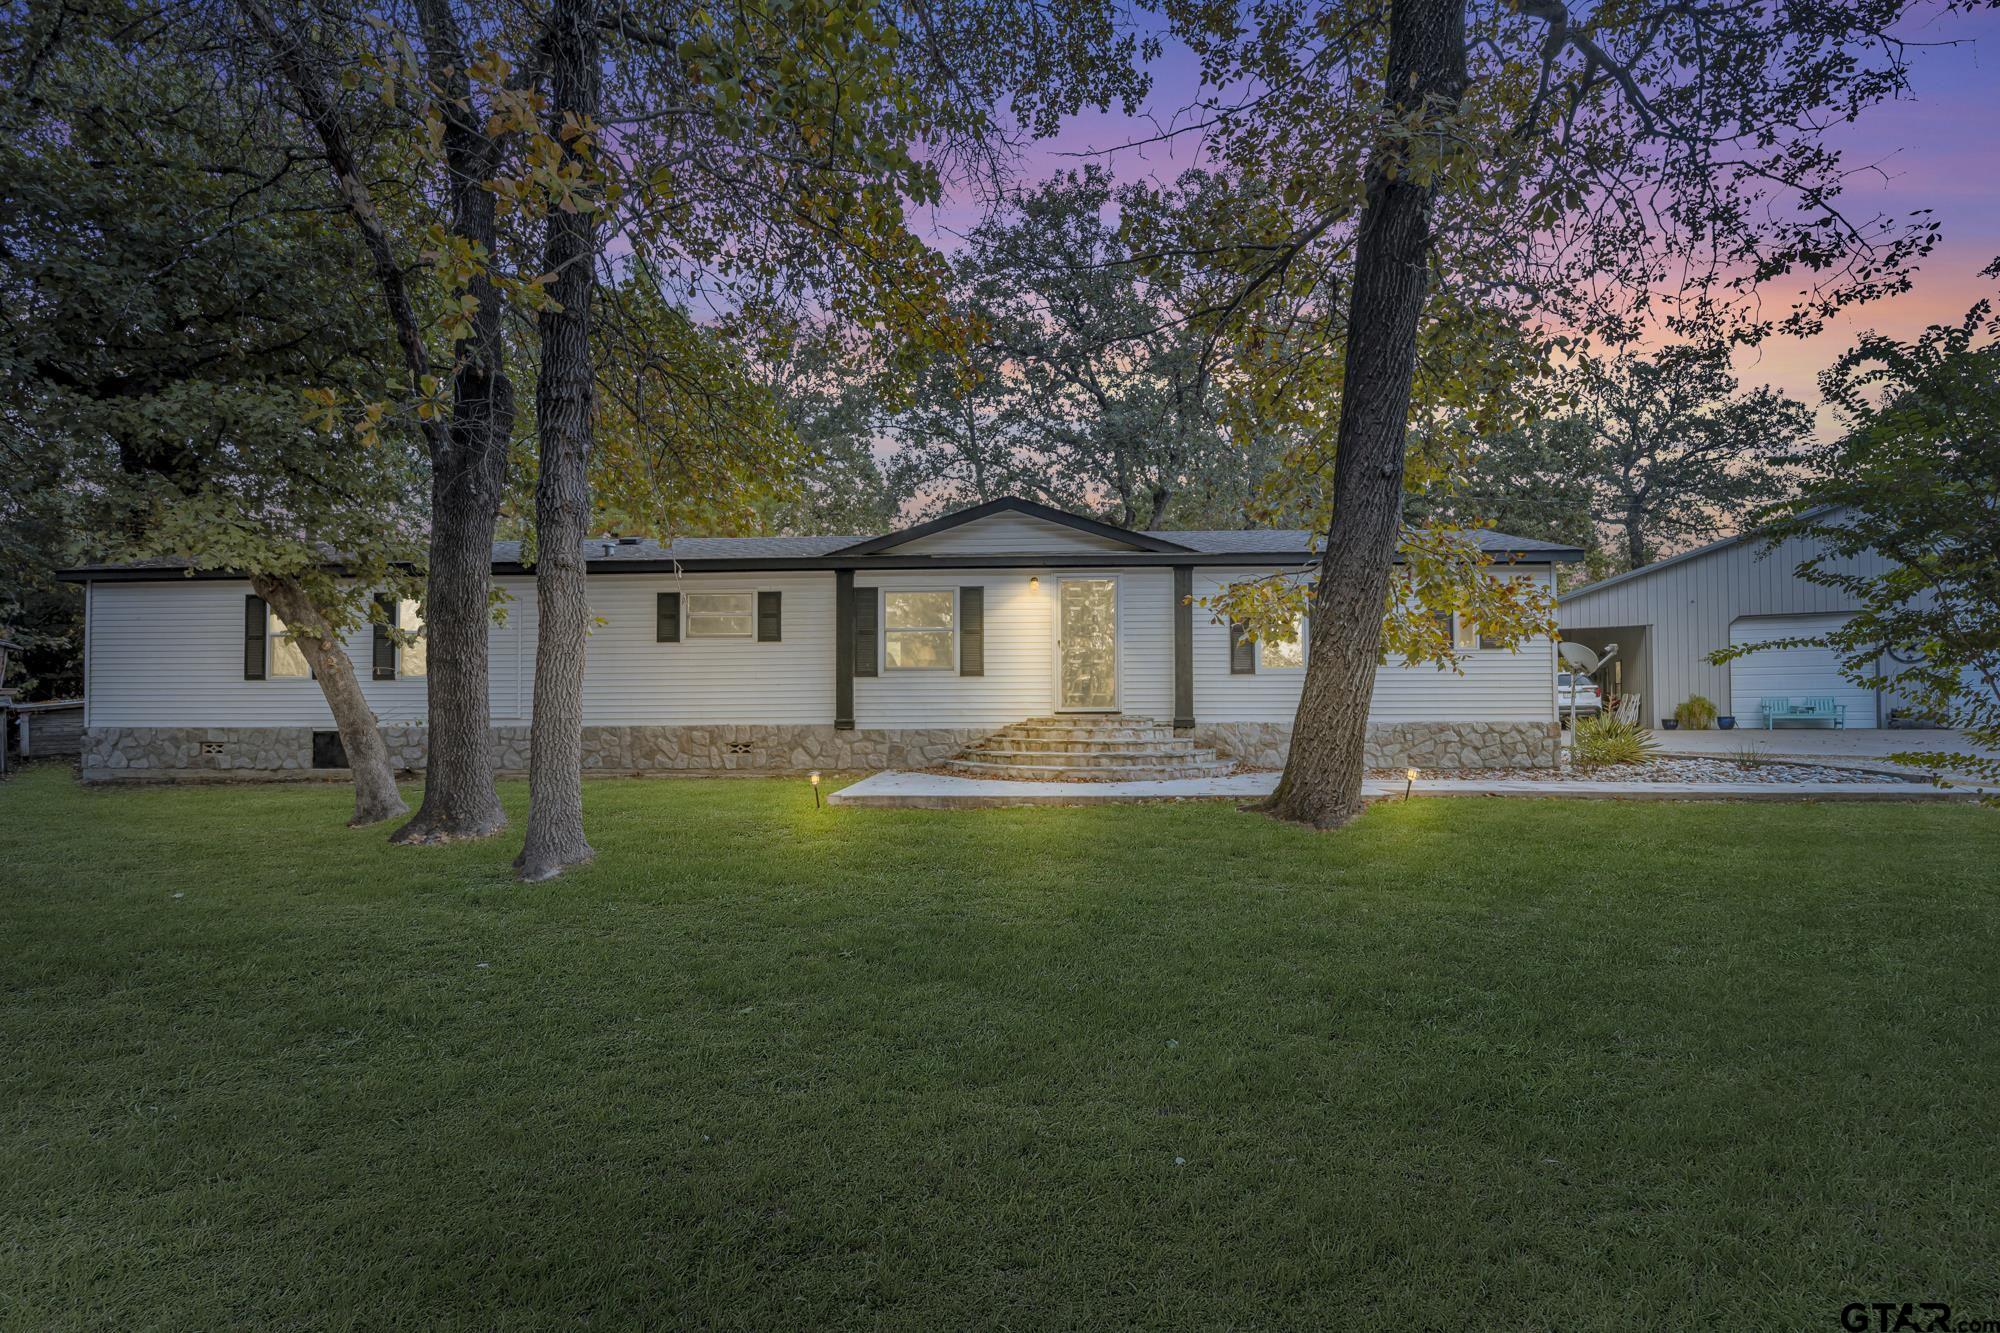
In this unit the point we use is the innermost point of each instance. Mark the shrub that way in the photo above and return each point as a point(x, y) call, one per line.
point(1697, 714)
point(1606, 740)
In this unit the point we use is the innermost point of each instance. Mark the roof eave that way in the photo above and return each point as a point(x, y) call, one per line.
point(780, 564)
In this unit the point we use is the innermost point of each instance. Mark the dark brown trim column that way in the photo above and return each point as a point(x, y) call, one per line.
point(1183, 646)
point(843, 650)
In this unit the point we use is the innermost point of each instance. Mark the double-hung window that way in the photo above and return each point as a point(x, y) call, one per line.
point(1468, 637)
point(413, 655)
point(721, 615)
point(918, 630)
point(1280, 654)
point(285, 657)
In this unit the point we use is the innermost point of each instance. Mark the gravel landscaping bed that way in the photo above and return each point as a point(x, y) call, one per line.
point(1666, 769)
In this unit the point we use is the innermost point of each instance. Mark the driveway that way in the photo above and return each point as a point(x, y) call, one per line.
point(1867, 746)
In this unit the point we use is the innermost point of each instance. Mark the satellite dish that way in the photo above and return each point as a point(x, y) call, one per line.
point(1578, 657)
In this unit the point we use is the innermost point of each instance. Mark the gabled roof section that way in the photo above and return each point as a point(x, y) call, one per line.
point(1014, 504)
point(1647, 571)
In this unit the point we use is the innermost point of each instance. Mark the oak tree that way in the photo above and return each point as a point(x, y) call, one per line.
point(178, 296)
point(1445, 186)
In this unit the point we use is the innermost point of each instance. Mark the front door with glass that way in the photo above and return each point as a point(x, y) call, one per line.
point(1087, 645)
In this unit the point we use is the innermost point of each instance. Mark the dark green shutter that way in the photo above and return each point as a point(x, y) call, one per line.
point(770, 627)
point(667, 618)
point(1242, 650)
point(843, 650)
point(866, 654)
point(385, 647)
point(1183, 647)
point(255, 615)
point(972, 631)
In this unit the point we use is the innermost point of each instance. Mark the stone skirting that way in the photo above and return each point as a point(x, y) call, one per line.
point(1401, 744)
point(165, 754)
point(162, 754)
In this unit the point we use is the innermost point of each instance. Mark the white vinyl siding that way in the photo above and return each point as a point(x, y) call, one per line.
point(631, 679)
point(1011, 534)
point(1498, 684)
point(1020, 651)
point(1016, 683)
point(170, 654)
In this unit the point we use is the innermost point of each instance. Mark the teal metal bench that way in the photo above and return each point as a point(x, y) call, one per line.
point(1812, 708)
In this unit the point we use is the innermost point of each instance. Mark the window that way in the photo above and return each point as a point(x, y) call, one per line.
point(284, 656)
point(917, 630)
point(1277, 654)
point(721, 615)
point(1465, 634)
point(413, 657)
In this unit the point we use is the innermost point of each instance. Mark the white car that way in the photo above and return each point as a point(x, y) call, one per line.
point(1578, 692)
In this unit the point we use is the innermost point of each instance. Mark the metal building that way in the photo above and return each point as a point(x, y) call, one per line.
point(1668, 617)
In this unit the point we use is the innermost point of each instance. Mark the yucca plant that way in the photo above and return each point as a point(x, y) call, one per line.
point(1606, 740)
point(1697, 714)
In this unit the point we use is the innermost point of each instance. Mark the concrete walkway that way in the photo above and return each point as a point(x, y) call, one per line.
point(1864, 748)
point(936, 791)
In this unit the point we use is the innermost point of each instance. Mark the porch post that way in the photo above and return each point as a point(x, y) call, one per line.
point(843, 650)
point(1183, 647)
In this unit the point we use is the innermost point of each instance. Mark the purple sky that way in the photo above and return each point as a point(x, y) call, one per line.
point(1938, 149)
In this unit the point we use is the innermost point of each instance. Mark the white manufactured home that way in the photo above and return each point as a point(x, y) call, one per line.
point(786, 653)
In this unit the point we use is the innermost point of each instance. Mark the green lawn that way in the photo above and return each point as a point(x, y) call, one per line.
point(1466, 1064)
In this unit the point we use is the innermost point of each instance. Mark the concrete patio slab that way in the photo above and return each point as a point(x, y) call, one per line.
point(935, 791)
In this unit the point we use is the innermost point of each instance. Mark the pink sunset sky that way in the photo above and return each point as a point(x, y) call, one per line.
point(1938, 148)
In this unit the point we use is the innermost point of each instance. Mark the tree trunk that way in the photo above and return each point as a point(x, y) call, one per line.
point(468, 469)
point(1321, 784)
point(459, 800)
point(468, 454)
point(375, 794)
point(1638, 554)
point(555, 838)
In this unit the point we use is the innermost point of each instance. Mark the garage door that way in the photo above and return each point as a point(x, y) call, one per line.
point(1791, 672)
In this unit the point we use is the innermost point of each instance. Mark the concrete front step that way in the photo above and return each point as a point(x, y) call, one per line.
point(973, 769)
point(1088, 748)
point(1117, 759)
point(1009, 740)
point(1119, 735)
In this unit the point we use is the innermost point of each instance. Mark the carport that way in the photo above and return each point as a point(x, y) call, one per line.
point(1630, 672)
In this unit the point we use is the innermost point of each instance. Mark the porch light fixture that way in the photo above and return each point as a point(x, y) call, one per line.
point(813, 777)
point(1034, 583)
